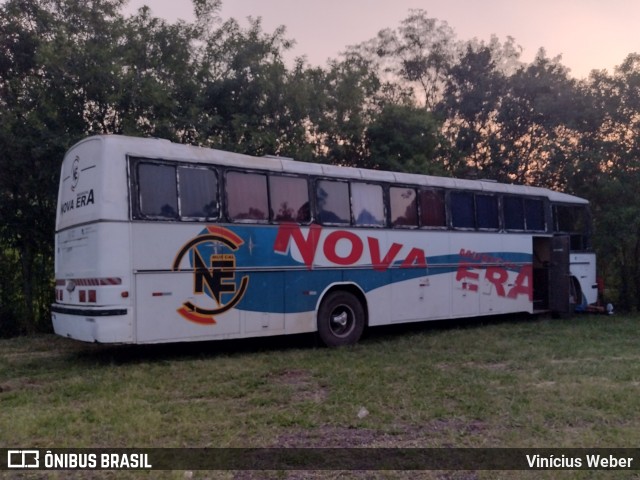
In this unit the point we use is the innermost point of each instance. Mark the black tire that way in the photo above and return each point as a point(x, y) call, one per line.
point(340, 319)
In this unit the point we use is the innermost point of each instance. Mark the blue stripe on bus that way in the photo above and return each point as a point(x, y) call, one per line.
point(279, 284)
point(296, 291)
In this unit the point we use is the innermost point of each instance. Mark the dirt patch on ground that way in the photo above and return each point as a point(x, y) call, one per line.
point(436, 433)
point(431, 434)
point(19, 384)
point(342, 475)
point(303, 386)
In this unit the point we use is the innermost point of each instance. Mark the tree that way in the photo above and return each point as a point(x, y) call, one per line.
point(412, 99)
point(404, 138)
point(41, 114)
point(608, 172)
point(63, 75)
point(71, 68)
point(348, 95)
point(246, 95)
point(473, 93)
point(536, 118)
point(415, 57)
point(155, 82)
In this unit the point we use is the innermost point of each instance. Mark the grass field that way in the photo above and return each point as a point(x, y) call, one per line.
point(507, 382)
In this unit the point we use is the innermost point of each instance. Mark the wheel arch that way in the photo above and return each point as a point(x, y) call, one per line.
point(350, 287)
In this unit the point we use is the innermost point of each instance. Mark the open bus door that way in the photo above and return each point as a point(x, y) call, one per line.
point(559, 276)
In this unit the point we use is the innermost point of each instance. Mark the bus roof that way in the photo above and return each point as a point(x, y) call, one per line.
point(164, 149)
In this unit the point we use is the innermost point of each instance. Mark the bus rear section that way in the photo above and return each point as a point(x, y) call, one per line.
point(92, 279)
point(573, 224)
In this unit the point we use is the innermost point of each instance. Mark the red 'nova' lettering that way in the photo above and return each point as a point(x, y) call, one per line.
point(353, 254)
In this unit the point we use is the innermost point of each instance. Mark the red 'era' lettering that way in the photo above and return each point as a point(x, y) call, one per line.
point(497, 276)
point(464, 273)
point(523, 285)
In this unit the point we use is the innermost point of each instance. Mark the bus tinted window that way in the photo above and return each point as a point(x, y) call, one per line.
point(513, 211)
point(534, 214)
point(574, 221)
point(569, 219)
point(289, 199)
point(157, 190)
point(404, 207)
point(367, 204)
point(198, 192)
point(487, 216)
point(462, 211)
point(332, 200)
point(247, 196)
point(432, 208)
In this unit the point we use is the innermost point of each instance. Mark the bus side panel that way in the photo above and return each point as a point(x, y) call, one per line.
point(303, 289)
point(493, 274)
point(507, 279)
point(197, 282)
point(465, 298)
point(378, 298)
point(166, 300)
point(268, 315)
point(408, 296)
point(159, 299)
point(421, 292)
point(165, 296)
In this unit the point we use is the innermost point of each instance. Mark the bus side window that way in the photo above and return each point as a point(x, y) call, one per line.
point(487, 213)
point(570, 219)
point(332, 202)
point(367, 204)
point(289, 199)
point(247, 196)
point(157, 190)
point(462, 210)
point(574, 221)
point(198, 192)
point(432, 208)
point(534, 215)
point(404, 207)
point(513, 211)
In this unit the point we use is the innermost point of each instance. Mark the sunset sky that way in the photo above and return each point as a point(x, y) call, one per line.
point(588, 34)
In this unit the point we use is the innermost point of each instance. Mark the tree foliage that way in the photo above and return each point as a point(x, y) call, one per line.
point(414, 98)
point(403, 138)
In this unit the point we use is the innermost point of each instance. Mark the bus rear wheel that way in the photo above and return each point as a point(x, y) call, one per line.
point(340, 319)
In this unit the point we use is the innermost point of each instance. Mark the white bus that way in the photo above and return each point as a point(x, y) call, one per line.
point(161, 242)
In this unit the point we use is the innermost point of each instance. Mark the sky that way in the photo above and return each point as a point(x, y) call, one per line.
point(587, 34)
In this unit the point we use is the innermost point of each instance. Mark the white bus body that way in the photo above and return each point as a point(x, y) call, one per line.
point(128, 272)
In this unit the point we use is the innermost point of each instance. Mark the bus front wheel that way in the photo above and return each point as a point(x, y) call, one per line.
point(340, 319)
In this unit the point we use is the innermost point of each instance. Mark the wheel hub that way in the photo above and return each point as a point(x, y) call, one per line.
point(341, 319)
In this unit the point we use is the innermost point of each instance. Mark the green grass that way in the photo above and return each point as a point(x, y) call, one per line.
point(532, 382)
